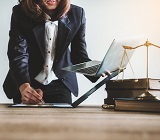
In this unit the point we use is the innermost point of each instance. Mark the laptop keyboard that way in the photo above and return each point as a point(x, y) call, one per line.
point(89, 70)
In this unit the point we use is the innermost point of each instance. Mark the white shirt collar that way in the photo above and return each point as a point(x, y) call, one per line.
point(54, 22)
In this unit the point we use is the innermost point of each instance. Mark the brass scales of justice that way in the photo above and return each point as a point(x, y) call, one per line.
point(146, 95)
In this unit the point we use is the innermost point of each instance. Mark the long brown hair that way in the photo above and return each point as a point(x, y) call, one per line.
point(34, 9)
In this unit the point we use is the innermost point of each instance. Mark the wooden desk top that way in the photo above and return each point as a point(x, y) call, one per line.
point(82, 123)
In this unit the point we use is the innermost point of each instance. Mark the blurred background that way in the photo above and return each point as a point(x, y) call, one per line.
point(106, 20)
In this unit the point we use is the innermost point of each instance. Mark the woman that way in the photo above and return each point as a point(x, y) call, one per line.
point(40, 35)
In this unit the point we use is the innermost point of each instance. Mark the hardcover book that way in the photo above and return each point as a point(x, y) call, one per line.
point(131, 104)
point(130, 88)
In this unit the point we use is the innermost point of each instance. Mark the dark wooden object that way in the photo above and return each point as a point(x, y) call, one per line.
point(130, 88)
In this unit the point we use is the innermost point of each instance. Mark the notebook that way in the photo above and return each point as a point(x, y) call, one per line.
point(112, 59)
point(75, 103)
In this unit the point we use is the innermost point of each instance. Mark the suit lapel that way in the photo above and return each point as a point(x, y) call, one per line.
point(63, 35)
point(39, 32)
point(62, 38)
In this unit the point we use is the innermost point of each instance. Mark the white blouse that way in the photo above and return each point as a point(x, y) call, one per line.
point(47, 74)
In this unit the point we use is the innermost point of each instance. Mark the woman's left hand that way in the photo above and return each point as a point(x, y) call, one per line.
point(106, 73)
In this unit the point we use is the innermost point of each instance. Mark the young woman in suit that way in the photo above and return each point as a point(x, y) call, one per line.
point(40, 35)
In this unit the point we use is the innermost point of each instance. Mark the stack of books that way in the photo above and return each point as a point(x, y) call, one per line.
point(121, 95)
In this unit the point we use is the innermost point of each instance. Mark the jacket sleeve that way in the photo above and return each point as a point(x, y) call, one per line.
point(78, 46)
point(17, 52)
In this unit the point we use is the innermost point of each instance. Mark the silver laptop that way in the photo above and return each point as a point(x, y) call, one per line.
point(112, 60)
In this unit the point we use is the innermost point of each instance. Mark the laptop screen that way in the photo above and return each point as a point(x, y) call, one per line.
point(113, 58)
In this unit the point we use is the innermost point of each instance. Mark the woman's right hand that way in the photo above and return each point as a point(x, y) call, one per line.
point(30, 95)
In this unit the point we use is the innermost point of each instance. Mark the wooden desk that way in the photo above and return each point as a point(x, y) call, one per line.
point(82, 123)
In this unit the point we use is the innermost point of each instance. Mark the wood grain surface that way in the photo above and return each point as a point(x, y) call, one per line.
point(81, 123)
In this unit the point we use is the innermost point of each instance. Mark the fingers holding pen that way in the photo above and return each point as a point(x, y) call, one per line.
point(31, 96)
point(40, 92)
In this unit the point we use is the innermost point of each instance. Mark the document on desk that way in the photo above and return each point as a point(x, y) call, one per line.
point(46, 105)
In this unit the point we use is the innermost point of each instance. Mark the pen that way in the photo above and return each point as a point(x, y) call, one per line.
point(43, 102)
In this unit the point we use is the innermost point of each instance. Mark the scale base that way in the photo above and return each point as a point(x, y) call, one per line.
point(147, 96)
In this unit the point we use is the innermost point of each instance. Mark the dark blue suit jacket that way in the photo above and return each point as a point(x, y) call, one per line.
point(26, 49)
